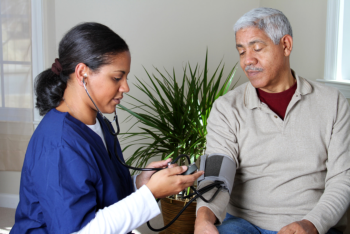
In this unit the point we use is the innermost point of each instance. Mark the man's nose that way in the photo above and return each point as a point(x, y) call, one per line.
point(250, 58)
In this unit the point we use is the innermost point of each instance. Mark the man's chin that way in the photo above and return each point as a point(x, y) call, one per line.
point(257, 83)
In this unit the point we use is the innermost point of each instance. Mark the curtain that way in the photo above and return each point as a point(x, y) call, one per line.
point(16, 92)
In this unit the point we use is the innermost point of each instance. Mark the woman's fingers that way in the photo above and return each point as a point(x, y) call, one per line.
point(145, 176)
point(190, 179)
point(169, 181)
point(194, 176)
point(172, 165)
point(176, 170)
point(159, 164)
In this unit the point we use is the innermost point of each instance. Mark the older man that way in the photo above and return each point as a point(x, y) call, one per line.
point(288, 137)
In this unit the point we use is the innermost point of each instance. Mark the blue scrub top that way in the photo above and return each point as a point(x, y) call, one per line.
point(67, 176)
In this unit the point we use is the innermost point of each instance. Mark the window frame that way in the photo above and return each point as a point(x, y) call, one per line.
point(26, 114)
point(333, 52)
point(37, 50)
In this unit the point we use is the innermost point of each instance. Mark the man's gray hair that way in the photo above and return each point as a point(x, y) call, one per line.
point(272, 21)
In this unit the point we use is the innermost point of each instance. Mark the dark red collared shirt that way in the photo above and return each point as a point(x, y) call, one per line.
point(277, 102)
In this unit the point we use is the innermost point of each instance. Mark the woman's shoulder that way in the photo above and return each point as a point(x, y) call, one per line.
point(59, 127)
point(51, 124)
point(58, 130)
point(59, 138)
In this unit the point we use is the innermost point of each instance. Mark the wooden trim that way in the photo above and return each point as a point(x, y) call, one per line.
point(332, 40)
point(342, 86)
point(9, 200)
point(37, 50)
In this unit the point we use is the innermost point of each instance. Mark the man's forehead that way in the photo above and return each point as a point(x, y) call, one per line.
point(251, 35)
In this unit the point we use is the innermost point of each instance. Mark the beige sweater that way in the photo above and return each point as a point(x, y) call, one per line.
point(286, 170)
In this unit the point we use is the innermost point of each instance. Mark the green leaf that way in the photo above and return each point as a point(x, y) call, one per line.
point(174, 119)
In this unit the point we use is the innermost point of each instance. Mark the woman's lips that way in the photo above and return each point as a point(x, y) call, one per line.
point(117, 100)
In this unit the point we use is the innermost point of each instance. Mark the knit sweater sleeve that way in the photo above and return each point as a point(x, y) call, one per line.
point(221, 138)
point(336, 197)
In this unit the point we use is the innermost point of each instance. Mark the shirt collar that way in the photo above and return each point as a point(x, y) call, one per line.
point(251, 99)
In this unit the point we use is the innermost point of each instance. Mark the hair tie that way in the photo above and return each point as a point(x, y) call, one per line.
point(56, 67)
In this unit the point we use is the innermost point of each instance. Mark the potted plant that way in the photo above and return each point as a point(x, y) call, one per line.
point(174, 121)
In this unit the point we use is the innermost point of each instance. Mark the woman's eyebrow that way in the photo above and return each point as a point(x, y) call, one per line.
point(120, 71)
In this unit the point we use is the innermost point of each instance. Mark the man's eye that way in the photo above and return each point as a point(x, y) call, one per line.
point(241, 53)
point(258, 49)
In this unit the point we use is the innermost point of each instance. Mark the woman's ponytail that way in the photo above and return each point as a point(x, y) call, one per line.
point(90, 43)
point(49, 88)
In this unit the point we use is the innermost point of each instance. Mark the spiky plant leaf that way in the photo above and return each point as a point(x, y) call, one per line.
point(174, 120)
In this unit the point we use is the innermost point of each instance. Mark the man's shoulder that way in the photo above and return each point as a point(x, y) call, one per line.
point(236, 94)
point(320, 87)
point(320, 90)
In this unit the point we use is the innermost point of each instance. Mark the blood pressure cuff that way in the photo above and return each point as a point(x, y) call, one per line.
point(218, 167)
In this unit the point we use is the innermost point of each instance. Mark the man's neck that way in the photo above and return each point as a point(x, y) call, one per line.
point(283, 84)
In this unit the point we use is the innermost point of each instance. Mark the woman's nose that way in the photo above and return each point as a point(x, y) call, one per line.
point(124, 87)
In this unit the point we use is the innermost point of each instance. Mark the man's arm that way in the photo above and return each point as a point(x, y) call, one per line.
point(205, 221)
point(302, 227)
point(221, 139)
point(217, 207)
point(336, 197)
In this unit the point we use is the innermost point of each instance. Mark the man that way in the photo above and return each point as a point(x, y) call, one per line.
point(288, 136)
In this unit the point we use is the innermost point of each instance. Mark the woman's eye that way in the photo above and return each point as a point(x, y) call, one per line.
point(117, 79)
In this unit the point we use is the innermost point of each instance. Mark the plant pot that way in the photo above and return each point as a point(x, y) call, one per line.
point(185, 223)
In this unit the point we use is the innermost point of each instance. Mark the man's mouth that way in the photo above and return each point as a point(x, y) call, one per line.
point(251, 68)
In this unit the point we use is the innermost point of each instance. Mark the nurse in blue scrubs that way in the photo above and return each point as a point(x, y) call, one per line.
point(71, 180)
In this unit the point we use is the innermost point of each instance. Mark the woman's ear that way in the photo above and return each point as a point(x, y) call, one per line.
point(81, 74)
point(287, 43)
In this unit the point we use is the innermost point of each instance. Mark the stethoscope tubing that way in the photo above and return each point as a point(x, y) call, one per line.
point(115, 134)
point(216, 184)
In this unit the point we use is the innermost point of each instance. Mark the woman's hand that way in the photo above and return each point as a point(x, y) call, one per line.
point(169, 181)
point(144, 176)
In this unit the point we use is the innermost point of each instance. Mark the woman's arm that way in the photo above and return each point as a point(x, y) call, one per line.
point(125, 215)
point(140, 206)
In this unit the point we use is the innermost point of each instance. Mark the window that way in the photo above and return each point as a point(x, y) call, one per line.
point(21, 59)
point(337, 56)
point(15, 61)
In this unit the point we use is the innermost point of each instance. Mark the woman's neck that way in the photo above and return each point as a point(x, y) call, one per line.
point(77, 106)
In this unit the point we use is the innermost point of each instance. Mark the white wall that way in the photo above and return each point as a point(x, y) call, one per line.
point(170, 33)
point(164, 34)
point(308, 20)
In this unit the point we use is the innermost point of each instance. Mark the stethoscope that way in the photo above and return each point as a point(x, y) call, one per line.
point(197, 193)
point(115, 134)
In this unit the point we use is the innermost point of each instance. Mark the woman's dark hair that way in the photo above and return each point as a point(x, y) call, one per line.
point(88, 43)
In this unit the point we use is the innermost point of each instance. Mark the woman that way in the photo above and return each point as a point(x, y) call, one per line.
point(71, 179)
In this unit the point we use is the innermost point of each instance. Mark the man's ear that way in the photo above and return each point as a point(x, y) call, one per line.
point(287, 44)
point(81, 73)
